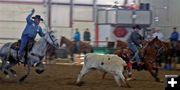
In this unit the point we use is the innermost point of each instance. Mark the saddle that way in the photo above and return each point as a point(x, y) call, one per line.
point(16, 45)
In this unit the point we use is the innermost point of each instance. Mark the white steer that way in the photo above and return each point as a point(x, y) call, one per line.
point(107, 63)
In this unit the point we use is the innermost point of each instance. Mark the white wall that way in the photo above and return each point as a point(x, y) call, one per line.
point(60, 16)
point(83, 1)
point(12, 19)
point(168, 12)
point(83, 13)
point(107, 31)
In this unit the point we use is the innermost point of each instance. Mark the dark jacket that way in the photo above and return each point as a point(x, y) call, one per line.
point(135, 38)
point(77, 36)
point(87, 36)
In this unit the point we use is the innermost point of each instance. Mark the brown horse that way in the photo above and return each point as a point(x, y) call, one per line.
point(150, 54)
point(170, 55)
point(121, 44)
point(50, 55)
point(70, 45)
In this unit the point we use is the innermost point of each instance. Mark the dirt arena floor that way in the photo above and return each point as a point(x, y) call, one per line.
point(62, 77)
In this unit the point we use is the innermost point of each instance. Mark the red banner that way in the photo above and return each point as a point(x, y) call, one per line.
point(120, 32)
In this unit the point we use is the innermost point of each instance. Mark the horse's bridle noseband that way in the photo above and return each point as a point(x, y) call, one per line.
point(52, 39)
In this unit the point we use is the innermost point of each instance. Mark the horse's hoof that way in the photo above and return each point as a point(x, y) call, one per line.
point(128, 86)
point(7, 76)
point(125, 86)
point(15, 75)
point(161, 81)
point(130, 79)
point(19, 82)
point(80, 84)
point(157, 79)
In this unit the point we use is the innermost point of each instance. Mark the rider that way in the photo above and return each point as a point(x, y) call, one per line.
point(134, 42)
point(30, 31)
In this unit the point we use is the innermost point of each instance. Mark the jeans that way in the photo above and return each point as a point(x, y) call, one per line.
point(77, 48)
point(24, 41)
point(135, 51)
point(174, 47)
point(174, 44)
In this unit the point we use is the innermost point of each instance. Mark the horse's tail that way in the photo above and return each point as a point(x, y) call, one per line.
point(4, 51)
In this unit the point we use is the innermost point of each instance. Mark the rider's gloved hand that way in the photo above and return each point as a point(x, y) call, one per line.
point(33, 10)
point(140, 45)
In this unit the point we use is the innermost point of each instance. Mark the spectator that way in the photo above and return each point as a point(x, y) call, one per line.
point(87, 35)
point(174, 40)
point(159, 34)
point(77, 39)
point(149, 36)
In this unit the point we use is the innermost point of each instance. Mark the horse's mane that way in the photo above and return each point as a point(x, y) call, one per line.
point(39, 45)
point(65, 38)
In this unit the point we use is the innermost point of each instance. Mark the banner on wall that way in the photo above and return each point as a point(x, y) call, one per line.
point(120, 32)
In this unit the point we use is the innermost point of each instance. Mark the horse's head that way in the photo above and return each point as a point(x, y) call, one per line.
point(51, 39)
point(39, 68)
point(62, 41)
point(66, 41)
point(144, 42)
point(156, 43)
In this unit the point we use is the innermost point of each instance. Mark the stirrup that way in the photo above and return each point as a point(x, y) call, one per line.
point(131, 61)
point(20, 59)
point(141, 63)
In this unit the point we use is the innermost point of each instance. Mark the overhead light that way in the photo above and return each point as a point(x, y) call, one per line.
point(134, 16)
point(156, 19)
point(165, 7)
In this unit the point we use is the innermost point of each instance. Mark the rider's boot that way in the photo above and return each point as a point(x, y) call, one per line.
point(140, 66)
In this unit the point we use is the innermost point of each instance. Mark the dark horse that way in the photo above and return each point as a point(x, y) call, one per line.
point(70, 45)
point(149, 53)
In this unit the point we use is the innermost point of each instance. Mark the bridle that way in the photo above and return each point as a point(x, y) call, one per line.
point(52, 39)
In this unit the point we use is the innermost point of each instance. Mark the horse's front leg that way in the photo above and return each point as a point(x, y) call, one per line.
point(6, 68)
point(150, 69)
point(8, 71)
point(27, 72)
point(104, 74)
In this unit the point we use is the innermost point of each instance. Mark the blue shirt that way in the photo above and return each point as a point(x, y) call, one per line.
point(174, 36)
point(77, 36)
point(31, 28)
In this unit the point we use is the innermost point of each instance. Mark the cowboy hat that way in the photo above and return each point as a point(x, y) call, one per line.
point(37, 17)
point(136, 27)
